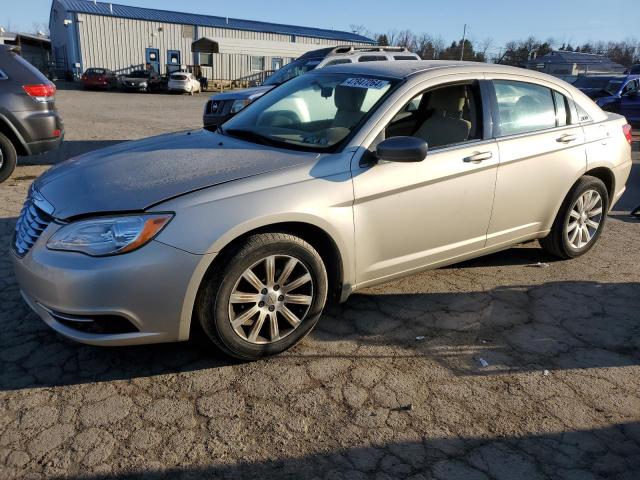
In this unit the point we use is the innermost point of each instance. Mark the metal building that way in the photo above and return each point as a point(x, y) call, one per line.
point(568, 65)
point(86, 33)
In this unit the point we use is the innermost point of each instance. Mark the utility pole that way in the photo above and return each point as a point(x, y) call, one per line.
point(464, 38)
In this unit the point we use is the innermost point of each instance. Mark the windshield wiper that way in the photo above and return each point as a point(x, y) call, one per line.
point(252, 136)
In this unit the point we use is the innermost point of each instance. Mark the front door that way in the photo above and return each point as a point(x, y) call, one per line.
point(173, 61)
point(542, 153)
point(152, 57)
point(409, 216)
point(630, 101)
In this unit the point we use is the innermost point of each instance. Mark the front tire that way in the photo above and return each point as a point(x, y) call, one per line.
point(580, 220)
point(8, 158)
point(264, 296)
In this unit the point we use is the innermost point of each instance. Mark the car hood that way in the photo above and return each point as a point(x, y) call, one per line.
point(133, 176)
point(243, 94)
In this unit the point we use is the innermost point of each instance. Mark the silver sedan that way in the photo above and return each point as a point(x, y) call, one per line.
point(340, 179)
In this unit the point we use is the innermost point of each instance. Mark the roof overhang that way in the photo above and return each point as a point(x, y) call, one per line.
point(251, 47)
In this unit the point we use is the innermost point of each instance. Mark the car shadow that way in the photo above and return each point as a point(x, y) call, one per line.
point(606, 452)
point(554, 325)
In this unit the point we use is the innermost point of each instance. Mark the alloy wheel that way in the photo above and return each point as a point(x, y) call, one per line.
point(584, 219)
point(271, 299)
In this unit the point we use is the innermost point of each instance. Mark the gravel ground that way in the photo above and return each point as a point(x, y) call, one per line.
point(390, 385)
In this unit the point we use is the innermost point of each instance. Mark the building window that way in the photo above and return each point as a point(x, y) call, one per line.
point(206, 59)
point(257, 63)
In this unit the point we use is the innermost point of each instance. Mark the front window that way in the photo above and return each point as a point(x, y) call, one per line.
point(312, 112)
point(139, 74)
point(292, 70)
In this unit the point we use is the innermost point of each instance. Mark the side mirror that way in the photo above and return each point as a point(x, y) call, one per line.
point(402, 149)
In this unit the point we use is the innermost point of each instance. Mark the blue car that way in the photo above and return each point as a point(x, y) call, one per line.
point(622, 95)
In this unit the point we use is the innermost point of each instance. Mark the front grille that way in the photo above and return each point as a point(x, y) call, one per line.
point(31, 224)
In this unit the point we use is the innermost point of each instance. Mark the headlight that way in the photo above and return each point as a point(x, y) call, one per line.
point(238, 105)
point(108, 236)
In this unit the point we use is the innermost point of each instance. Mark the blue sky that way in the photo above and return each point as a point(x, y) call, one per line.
point(500, 20)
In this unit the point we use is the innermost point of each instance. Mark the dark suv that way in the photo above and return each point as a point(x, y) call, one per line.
point(29, 121)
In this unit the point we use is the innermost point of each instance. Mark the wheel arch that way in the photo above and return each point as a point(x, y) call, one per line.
point(14, 137)
point(317, 237)
point(607, 176)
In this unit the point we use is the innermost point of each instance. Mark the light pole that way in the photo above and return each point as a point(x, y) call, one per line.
point(464, 38)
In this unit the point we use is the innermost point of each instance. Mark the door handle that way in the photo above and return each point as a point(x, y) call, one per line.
point(478, 157)
point(568, 138)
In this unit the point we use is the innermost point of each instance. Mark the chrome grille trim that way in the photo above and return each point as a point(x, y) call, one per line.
point(31, 223)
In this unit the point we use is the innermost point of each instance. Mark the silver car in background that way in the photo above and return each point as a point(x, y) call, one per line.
point(340, 179)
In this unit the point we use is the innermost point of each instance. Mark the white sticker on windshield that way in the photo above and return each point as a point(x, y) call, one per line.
point(362, 82)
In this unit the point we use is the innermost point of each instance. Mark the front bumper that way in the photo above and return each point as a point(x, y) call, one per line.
point(153, 288)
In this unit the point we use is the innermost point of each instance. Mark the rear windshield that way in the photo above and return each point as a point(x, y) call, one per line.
point(9, 68)
point(179, 77)
point(292, 70)
point(96, 71)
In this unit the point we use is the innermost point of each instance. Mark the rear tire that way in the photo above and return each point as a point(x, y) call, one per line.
point(8, 158)
point(580, 220)
point(283, 314)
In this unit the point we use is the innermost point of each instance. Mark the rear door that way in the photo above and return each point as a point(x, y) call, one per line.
point(542, 153)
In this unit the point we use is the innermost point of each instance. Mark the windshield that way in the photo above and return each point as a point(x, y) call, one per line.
point(613, 87)
point(311, 112)
point(592, 82)
point(139, 74)
point(292, 70)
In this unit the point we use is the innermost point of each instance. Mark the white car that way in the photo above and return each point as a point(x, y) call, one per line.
point(184, 82)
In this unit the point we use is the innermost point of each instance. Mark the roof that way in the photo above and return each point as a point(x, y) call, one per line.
point(562, 56)
point(401, 69)
point(12, 36)
point(404, 68)
point(166, 16)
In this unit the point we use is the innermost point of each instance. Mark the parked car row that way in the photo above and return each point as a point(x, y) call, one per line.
point(140, 81)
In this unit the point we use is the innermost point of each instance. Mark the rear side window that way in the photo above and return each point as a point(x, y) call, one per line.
point(372, 58)
point(338, 61)
point(404, 57)
point(524, 107)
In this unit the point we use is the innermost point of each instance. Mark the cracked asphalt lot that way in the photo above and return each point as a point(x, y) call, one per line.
point(361, 397)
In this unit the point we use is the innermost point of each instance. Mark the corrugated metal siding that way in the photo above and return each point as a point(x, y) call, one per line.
point(118, 43)
point(164, 16)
